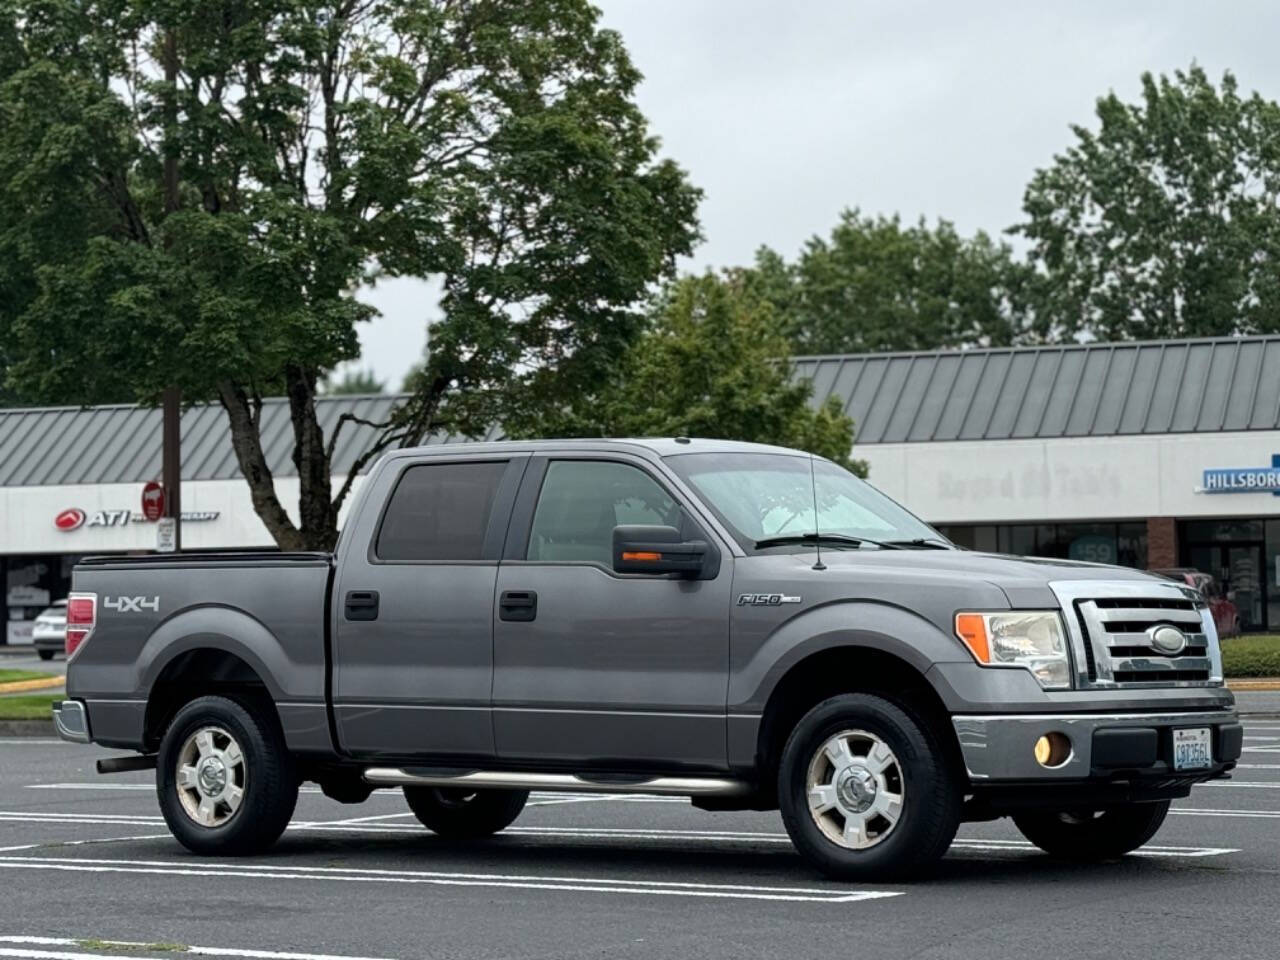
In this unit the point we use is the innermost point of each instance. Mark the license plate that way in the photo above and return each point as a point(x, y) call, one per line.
point(1192, 749)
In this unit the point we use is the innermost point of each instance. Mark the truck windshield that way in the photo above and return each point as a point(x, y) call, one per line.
point(760, 496)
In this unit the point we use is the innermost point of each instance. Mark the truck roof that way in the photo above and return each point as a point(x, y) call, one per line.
point(662, 446)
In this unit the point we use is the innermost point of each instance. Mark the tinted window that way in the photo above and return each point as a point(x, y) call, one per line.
point(583, 500)
point(440, 511)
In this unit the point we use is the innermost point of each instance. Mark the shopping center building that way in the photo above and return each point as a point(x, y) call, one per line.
point(1151, 455)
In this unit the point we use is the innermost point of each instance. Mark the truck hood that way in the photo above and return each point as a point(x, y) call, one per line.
point(922, 580)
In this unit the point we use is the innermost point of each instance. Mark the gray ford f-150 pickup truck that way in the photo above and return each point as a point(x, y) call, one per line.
point(744, 625)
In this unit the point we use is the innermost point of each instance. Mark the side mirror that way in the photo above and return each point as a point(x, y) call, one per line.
point(640, 548)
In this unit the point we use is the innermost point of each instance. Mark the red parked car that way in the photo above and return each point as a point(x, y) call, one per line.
point(1226, 617)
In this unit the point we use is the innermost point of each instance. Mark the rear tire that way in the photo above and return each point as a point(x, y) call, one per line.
point(459, 814)
point(866, 791)
point(45, 654)
point(1091, 835)
point(225, 778)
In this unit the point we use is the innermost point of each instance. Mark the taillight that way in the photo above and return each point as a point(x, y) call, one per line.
point(82, 610)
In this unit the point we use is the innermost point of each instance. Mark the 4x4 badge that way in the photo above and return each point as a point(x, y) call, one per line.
point(765, 599)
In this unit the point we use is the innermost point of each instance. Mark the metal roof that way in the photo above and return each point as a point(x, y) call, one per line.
point(45, 446)
point(1075, 390)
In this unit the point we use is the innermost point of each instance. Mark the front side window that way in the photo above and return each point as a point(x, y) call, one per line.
point(439, 512)
point(764, 495)
point(583, 500)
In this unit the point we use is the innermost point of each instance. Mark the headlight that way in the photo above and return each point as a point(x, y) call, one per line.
point(1031, 639)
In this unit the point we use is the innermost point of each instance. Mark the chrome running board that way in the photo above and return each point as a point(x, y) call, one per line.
point(494, 779)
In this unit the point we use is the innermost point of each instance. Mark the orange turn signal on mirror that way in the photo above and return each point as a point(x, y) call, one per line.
point(972, 629)
point(641, 555)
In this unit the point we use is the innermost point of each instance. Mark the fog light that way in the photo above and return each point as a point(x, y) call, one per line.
point(1053, 750)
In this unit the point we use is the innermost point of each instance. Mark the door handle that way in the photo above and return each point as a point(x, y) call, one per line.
point(517, 605)
point(361, 605)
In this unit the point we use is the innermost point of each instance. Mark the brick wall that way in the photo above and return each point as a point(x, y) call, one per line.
point(1162, 542)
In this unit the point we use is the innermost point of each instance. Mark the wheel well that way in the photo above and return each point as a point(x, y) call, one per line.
point(198, 673)
point(847, 670)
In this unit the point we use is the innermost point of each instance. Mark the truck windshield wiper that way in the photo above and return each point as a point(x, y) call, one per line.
point(825, 539)
point(921, 543)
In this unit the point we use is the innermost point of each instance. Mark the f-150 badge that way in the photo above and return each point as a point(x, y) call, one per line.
point(765, 599)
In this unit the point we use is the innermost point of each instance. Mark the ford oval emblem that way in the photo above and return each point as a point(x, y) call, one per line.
point(1168, 640)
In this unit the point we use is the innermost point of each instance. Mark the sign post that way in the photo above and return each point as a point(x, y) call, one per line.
point(171, 470)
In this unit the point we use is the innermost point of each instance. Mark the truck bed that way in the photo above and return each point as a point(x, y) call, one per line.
point(161, 617)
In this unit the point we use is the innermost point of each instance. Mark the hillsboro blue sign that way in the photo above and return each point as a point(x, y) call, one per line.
point(1245, 479)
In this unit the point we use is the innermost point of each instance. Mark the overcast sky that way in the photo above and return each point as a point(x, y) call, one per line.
point(787, 111)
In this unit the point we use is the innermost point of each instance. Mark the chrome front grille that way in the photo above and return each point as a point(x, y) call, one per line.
point(1113, 627)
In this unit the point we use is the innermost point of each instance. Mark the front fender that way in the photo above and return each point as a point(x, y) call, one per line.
point(758, 667)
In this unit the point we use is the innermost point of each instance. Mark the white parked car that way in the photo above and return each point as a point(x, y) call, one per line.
point(49, 632)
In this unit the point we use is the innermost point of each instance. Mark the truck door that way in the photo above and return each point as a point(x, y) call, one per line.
point(413, 643)
point(596, 668)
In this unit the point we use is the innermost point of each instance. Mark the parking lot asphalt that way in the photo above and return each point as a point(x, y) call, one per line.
point(86, 859)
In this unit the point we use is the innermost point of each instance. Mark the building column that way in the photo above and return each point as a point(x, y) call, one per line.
point(1162, 543)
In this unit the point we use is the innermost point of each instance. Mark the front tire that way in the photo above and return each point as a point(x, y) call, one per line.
point(459, 814)
point(865, 789)
point(45, 654)
point(1092, 835)
point(225, 779)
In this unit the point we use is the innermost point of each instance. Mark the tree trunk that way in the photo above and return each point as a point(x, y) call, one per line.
point(315, 499)
point(246, 440)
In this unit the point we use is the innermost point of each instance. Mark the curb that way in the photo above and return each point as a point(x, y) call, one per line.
point(1260, 685)
point(27, 728)
point(48, 683)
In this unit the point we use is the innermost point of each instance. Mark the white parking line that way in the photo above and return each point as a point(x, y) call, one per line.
point(356, 820)
point(138, 945)
point(612, 885)
point(601, 833)
point(1210, 812)
point(1255, 784)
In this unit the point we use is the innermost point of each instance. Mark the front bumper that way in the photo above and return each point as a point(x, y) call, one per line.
point(1104, 747)
point(71, 721)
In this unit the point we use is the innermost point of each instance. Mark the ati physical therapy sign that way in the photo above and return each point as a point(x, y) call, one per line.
point(75, 518)
point(1244, 479)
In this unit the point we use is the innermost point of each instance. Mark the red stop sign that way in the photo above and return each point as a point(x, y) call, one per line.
point(153, 501)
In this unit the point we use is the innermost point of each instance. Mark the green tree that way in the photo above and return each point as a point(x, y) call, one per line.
point(876, 284)
point(190, 194)
point(1162, 222)
point(713, 363)
point(354, 382)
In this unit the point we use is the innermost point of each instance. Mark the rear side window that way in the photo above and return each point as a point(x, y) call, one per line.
point(440, 512)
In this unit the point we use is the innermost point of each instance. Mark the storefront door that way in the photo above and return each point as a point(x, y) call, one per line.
point(1240, 575)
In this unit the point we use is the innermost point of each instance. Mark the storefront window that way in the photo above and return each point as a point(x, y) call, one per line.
point(1235, 552)
point(1272, 574)
point(981, 537)
point(1018, 539)
point(1131, 544)
point(1118, 543)
point(30, 585)
point(1215, 531)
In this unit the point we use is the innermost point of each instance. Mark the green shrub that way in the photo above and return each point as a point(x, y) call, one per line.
point(1251, 656)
